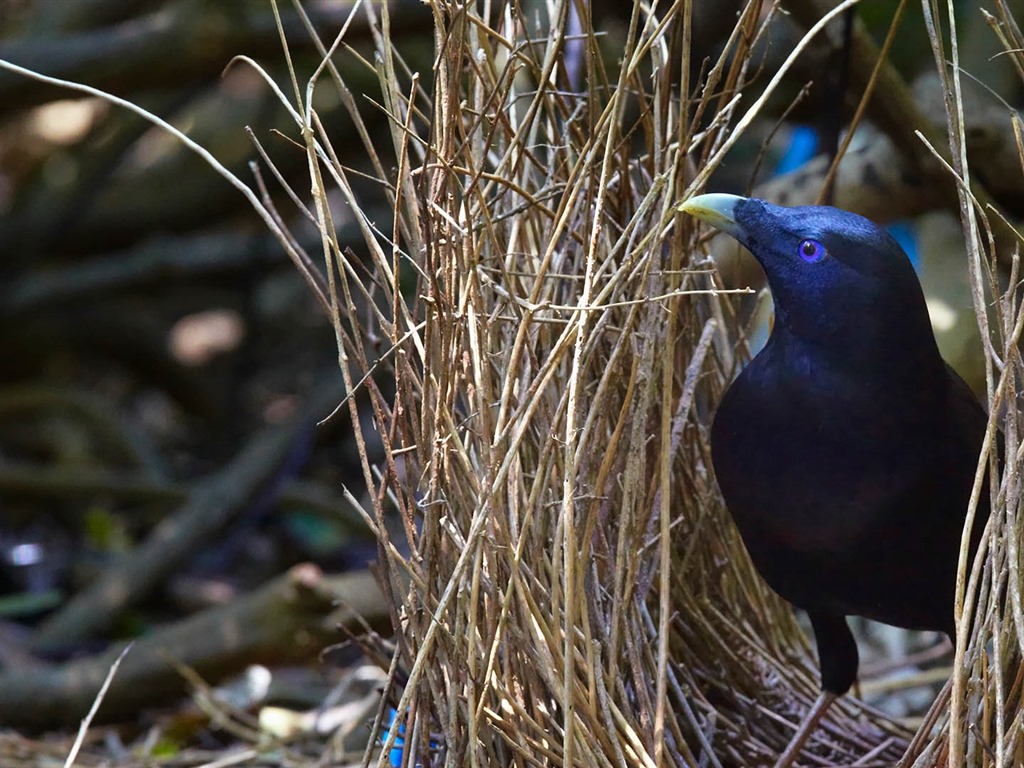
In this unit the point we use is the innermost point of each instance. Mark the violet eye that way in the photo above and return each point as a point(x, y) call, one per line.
point(812, 251)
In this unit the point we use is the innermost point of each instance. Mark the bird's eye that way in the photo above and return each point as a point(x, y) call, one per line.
point(812, 251)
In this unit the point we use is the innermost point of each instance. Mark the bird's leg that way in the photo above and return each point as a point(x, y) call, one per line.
point(807, 726)
point(837, 652)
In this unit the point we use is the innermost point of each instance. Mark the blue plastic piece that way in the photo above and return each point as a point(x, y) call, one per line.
point(903, 233)
point(803, 145)
point(395, 755)
point(398, 748)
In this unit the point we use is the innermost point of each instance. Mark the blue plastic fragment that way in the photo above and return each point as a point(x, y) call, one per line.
point(398, 747)
point(803, 145)
point(903, 233)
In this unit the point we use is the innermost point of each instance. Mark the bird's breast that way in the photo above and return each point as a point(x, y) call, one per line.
point(813, 457)
point(827, 479)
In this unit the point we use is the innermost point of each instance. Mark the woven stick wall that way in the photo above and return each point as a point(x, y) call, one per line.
point(567, 586)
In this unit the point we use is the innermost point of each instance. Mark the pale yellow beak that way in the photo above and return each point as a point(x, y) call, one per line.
point(718, 210)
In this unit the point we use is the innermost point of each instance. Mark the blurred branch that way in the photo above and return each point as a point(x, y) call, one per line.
point(48, 484)
point(290, 619)
point(157, 263)
point(893, 107)
point(102, 211)
point(211, 506)
point(874, 179)
point(122, 332)
point(896, 112)
point(43, 213)
point(107, 426)
point(177, 45)
point(49, 16)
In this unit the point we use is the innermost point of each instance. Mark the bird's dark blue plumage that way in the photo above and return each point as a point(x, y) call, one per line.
point(846, 450)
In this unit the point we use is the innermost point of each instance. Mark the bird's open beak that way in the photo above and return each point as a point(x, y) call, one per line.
point(718, 210)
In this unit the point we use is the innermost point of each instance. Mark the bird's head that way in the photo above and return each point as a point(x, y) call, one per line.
point(836, 277)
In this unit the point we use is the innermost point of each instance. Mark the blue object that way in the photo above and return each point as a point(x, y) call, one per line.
point(803, 145)
point(903, 233)
point(398, 748)
point(395, 755)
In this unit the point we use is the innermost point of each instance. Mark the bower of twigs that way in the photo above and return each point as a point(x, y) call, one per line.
point(543, 340)
point(568, 586)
